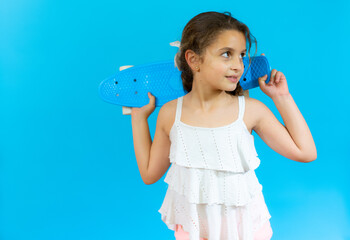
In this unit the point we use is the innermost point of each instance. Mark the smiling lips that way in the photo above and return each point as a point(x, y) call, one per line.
point(233, 79)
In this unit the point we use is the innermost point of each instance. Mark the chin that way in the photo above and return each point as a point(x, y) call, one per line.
point(229, 90)
point(233, 87)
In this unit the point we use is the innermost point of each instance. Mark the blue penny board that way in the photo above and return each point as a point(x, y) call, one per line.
point(129, 87)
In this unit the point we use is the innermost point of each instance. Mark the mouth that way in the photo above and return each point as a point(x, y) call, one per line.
point(233, 78)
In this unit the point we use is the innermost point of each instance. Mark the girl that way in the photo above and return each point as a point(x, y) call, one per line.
point(213, 192)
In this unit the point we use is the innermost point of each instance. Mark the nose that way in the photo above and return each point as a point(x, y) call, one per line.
point(237, 64)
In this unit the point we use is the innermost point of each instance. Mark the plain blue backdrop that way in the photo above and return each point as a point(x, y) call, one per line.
point(68, 167)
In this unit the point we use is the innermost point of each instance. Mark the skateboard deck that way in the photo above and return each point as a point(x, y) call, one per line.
point(129, 87)
point(258, 67)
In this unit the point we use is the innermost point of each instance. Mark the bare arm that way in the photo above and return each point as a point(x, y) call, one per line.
point(296, 126)
point(142, 144)
point(152, 157)
point(294, 140)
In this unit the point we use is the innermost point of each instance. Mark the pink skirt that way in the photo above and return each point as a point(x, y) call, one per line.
point(264, 233)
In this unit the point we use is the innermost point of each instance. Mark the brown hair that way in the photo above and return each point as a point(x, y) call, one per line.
point(199, 33)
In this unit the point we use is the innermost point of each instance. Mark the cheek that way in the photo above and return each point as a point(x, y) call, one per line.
point(221, 68)
point(216, 67)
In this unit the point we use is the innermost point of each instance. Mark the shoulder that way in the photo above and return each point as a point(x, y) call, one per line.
point(166, 115)
point(253, 103)
point(255, 110)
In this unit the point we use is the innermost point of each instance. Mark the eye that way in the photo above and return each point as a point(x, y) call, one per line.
point(226, 52)
point(243, 55)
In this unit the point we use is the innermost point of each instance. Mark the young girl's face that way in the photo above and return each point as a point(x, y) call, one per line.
point(223, 61)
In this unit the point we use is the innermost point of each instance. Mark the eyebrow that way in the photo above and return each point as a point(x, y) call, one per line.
point(231, 49)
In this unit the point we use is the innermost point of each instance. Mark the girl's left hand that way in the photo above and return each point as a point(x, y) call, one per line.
point(277, 85)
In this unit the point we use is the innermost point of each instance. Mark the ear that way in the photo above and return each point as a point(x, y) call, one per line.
point(192, 59)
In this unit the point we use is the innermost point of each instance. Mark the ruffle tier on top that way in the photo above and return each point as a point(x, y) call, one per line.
point(213, 191)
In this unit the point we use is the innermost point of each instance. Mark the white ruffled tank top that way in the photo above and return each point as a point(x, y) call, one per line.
point(213, 191)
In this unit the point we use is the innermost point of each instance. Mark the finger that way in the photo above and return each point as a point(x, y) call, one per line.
point(262, 80)
point(282, 77)
point(152, 99)
point(273, 76)
point(278, 77)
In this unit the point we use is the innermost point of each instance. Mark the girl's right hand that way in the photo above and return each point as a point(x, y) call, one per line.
point(145, 111)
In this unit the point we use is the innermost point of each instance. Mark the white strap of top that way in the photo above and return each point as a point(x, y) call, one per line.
point(241, 107)
point(178, 108)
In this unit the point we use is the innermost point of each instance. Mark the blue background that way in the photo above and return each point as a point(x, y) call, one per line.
point(68, 168)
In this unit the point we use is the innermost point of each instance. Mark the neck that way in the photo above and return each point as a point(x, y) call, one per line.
point(206, 98)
